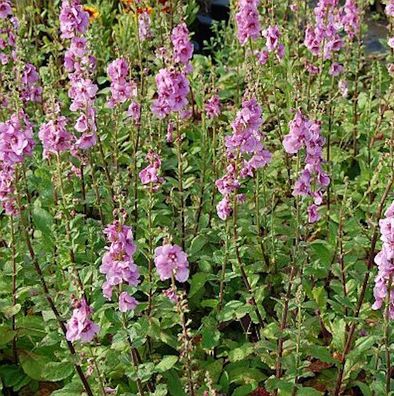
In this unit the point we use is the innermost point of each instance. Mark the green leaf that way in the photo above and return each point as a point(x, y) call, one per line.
point(12, 375)
point(210, 337)
point(42, 219)
point(71, 389)
point(167, 362)
point(197, 283)
point(197, 244)
point(244, 390)
point(320, 296)
point(174, 383)
point(11, 310)
point(308, 392)
point(320, 353)
point(57, 371)
point(241, 353)
point(338, 331)
point(32, 364)
point(6, 335)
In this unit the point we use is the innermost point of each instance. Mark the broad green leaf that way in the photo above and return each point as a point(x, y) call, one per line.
point(167, 362)
point(57, 371)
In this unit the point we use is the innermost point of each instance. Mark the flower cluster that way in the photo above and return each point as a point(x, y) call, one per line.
point(390, 13)
point(389, 10)
point(7, 32)
point(385, 262)
point(74, 20)
point(313, 179)
point(144, 25)
point(247, 18)
point(171, 260)
point(30, 91)
point(121, 89)
point(273, 45)
point(172, 83)
point(213, 107)
point(182, 47)
point(150, 174)
point(54, 136)
point(80, 327)
point(172, 89)
point(16, 142)
point(246, 145)
point(118, 264)
point(80, 64)
point(134, 112)
point(323, 39)
point(350, 18)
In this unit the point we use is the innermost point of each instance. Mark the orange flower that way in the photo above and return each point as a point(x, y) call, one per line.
point(148, 10)
point(92, 11)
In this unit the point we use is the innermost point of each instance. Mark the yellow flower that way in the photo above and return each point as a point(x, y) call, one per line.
point(92, 11)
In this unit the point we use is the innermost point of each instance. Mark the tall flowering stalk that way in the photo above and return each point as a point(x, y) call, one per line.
point(172, 90)
point(150, 178)
point(16, 143)
point(120, 270)
point(312, 180)
point(383, 290)
point(172, 263)
point(122, 90)
point(322, 38)
point(370, 261)
point(118, 264)
point(248, 23)
point(245, 155)
point(79, 64)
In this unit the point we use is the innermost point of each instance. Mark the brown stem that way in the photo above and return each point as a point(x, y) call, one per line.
point(387, 337)
point(180, 184)
point(371, 256)
point(241, 264)
point(14, 273)
point(283, 324)
point(68, 230)
point(48, 297)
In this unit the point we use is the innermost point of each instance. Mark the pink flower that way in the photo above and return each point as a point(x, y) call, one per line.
point(5, 9)
point(224, 209)
point(313, 214)
point(117, 263)
point(134, 111)
point(351, 18)
point(171, 260)
point(336, 69)
point(150, 175)
point(171, 295)
point(305, 133)
point(80, 327)
point(213, 107)
point(73, 19)
point(272, 35)
point(144, 26)
point(183, 48)
point(172, 88)
point(127, 302)
point(385, 262)
point(54, 136)
point(343, 88)
point(121, 88)
point(247, 18)
point(390, 8)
